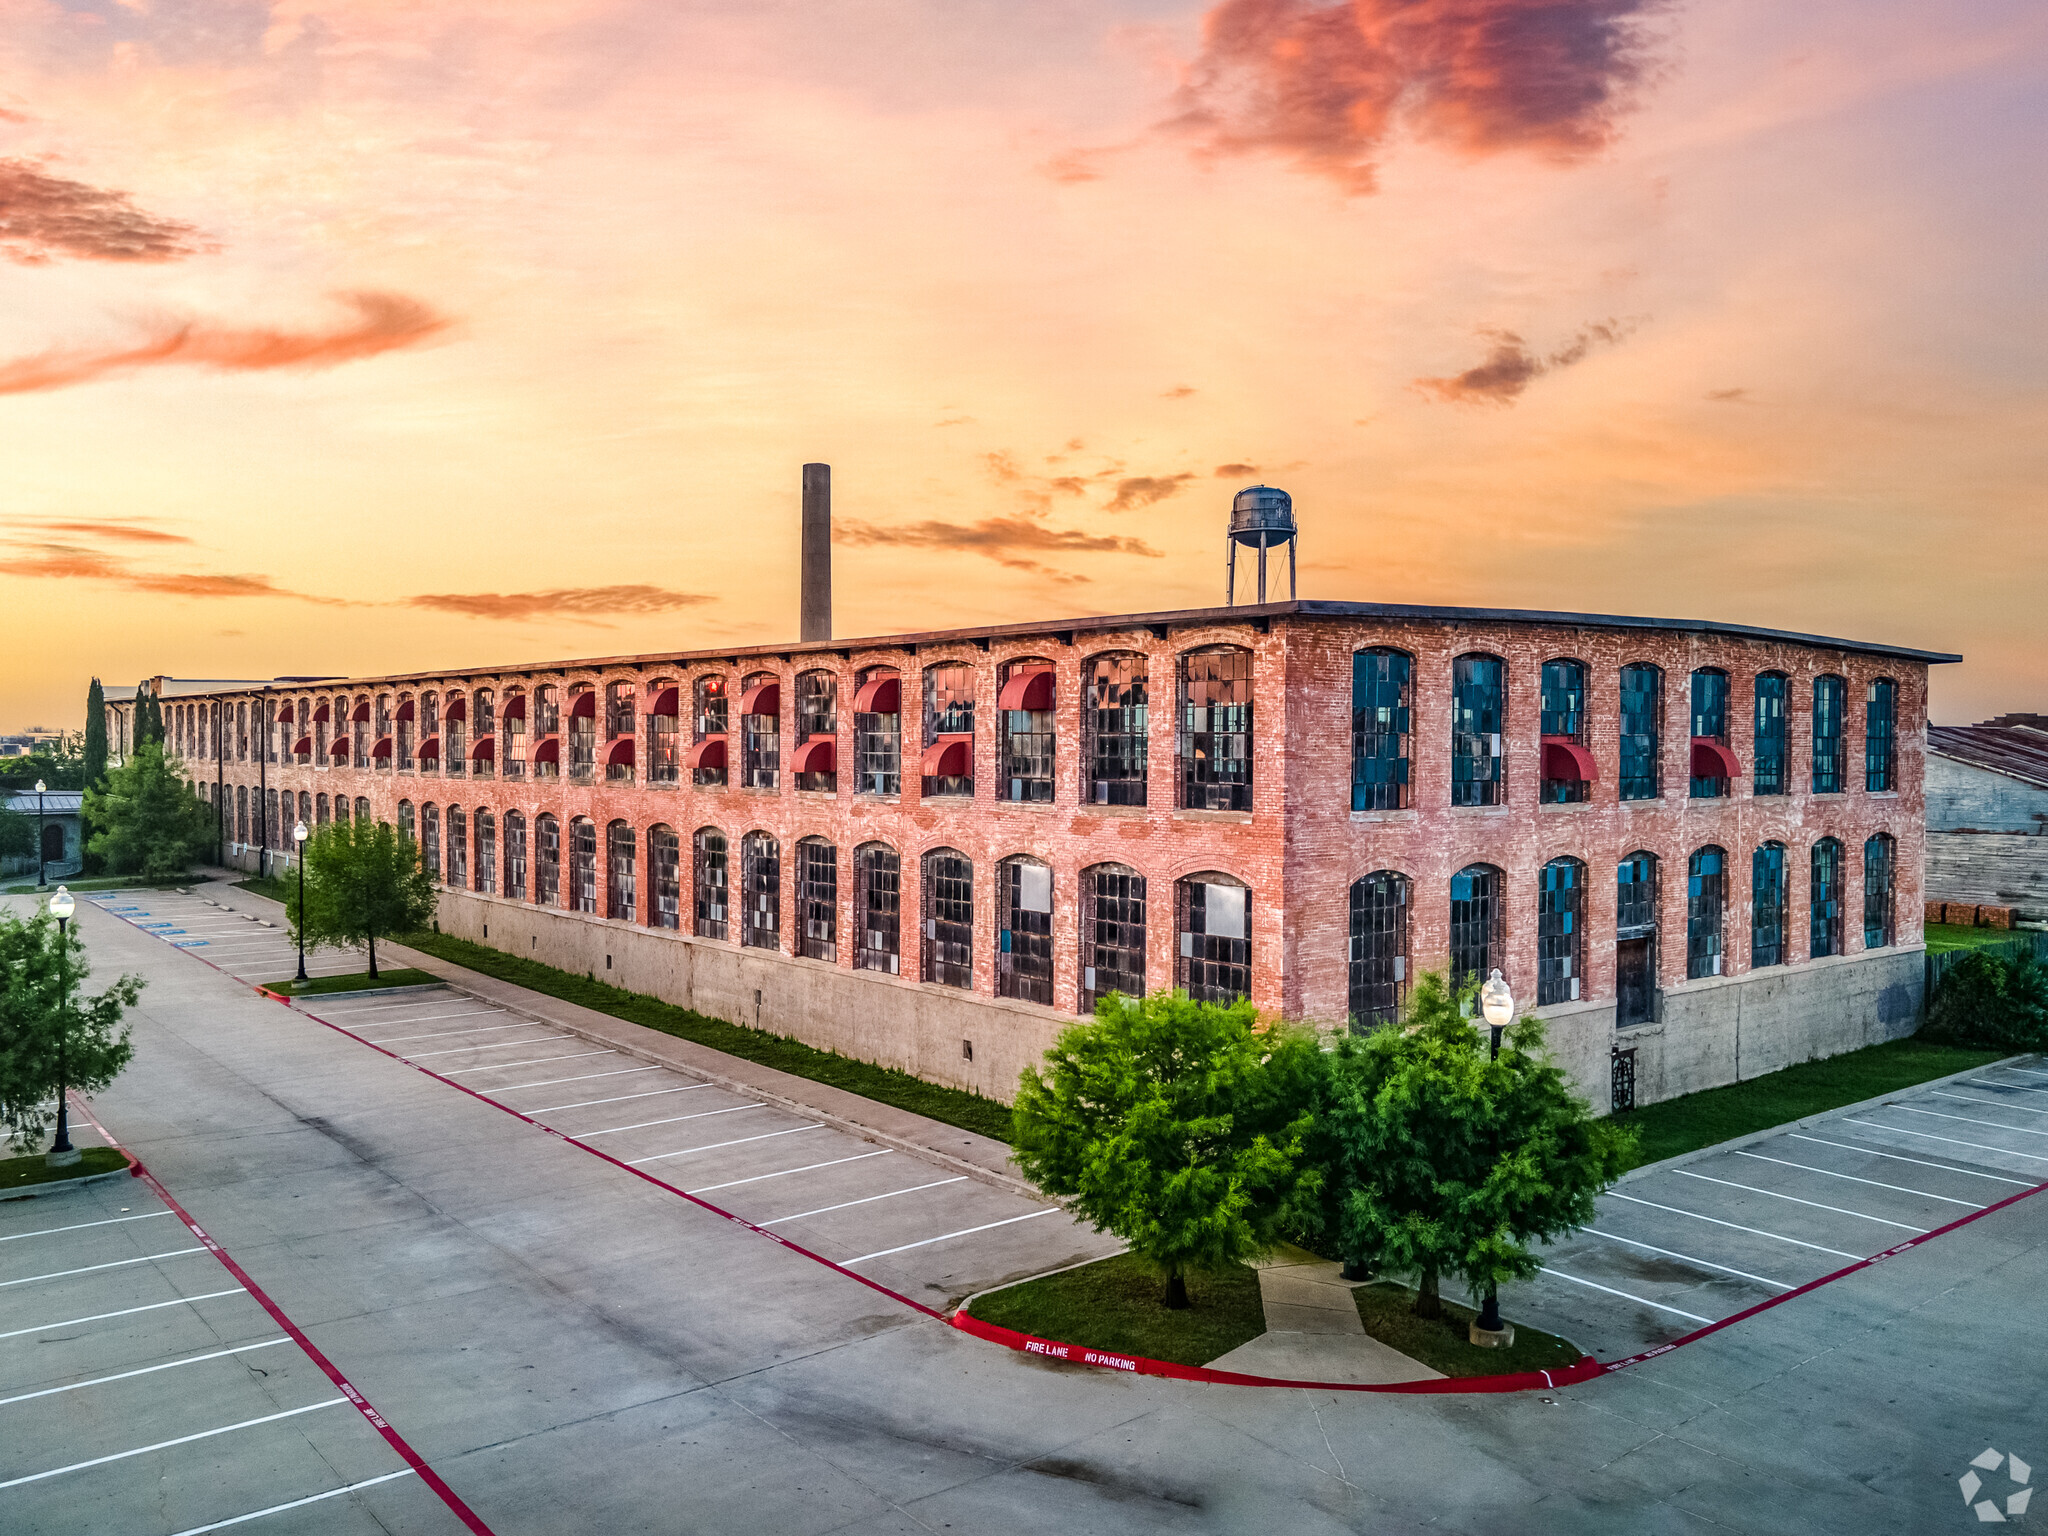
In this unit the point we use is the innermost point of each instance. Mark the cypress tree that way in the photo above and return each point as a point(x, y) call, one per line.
point(95, 735)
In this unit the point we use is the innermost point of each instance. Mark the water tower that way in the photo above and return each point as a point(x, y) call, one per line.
point(1263, 516)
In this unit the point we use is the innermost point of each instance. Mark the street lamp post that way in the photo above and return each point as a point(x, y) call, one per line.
point(62, 1153)
point(1497, 1003)
point(42, 864)
point(299, 856)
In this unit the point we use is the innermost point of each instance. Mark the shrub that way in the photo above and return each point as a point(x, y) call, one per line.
point(1992, 1001)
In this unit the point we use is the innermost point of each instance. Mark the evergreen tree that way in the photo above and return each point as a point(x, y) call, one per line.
point(147, 821)
point(364, 882)
point(149, 716)
point(95, 734)
point(50, 1033)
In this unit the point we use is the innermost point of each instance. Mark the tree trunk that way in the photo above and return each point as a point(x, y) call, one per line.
point(373, 957)
point(1427, 1302)
point(1176, 1290)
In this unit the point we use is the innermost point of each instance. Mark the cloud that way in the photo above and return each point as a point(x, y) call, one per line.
point(1729, 396)
point(127, 530)
point(1072, 167)
point(46, 562)
point(586, 603)
point(44, 217)
point(1235, 471)
point(1143, 490)
point(1325, 85)
point(384, 322)
point(1009, 541)
point(1510, 367)
point(1180, 392)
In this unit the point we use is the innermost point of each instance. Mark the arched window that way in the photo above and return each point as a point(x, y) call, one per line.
point(458, 847)
point(1215, 924)
point(1880, 737)
point(359, 729)
point(1381, 693)
point(878, 733)
point(514, 721)
point(483, 752)
point(583, 865)
point(1825, 933)
point(1705, 900)
point(948, 918)
point(547, 860)
point(1024, 941)
point(430, 838)
point(582, 743)
point(306, 811)
point(1642, 731)
point(760, 891)
point(273, 831)
point(620, 740)
point(362, 809)
point(1478, 719)
point(454, 743)
point(341, 808)
point(709, 878)
point(515, 855)
point(878, 908)
point(1767, 906)
point(1215, 746)
point(620, 896)
point(381, 749)
point(1475, 923)
point(1112, 933)
point(1116, 750)
point(815, 763)
point(241, 815)
point(1710, 776)
point(709, 716)
point(547, 710)
point(1560, 931)
point(1635, 940)
point(320, 809)
point(1768, 766)
point(1567, 773)
point(1827, 737)
point(407, 723)
point(665, 865)
point(486, 852)
point(1877, 891)
point(760, 732)
point(664, 734)
point(1379, 947)
point(947, 767)
point(817, 899)
point(1026, 703)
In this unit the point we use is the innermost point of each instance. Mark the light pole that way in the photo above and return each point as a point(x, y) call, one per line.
point(1497, 1003)
point(62, 1153)
point(42, 864)
point(299, 856)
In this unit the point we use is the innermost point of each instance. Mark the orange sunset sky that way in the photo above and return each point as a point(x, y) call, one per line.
point(352, 336)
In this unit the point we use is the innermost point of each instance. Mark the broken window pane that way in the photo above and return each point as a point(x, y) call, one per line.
point(1379, 948)
point(1216, 730)
point(1114, 714)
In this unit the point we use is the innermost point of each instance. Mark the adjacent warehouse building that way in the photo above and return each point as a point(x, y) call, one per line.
point(1987, 817)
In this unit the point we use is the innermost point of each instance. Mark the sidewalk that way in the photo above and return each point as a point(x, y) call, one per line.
point(1313, 1330)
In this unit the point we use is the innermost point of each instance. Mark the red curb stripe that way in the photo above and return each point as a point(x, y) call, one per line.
point(376, 1420)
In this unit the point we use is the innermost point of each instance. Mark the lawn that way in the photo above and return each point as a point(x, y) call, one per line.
point(1947, 936)
point(1116, 1305)
point(106, 883)
point(362, 981)
point(20, 1172)
point(952, 1106)
point(1441, 1343)
point(276, 888)
point(1702, 1119)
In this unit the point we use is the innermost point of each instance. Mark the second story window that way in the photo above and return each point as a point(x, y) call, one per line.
point(1380, 682)
point(1827, 738)
point(1567, 765)
point(1642, 731)
point(1713, 765)
point(582, 735)
point(547, 710)
point(1113, 714)
point(1880, 737)
point(1026, 706)
point(454, 751)
point(515, 736)
point(708, 721)
point(947, 767)
point(483, 752)
point(1769, 763)
point(1215, 747)
point(1477, 721)
point(878, 733)
point(816, 760)
point(408, 710)
point(664, 736)
point(761, 731)
point(621, 742)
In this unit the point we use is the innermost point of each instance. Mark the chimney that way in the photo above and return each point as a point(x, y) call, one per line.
point(815, 618)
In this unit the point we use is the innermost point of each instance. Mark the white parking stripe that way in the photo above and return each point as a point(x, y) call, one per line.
point(2027, 1072)
point(1625, 1296)
point(1899, 1157)
point(311, 1498)
point(504, 1065)
point(100, 1317)
point(168, 1365)
point(433, 1018)
point(1964, 1098)
point(714, 1146)
point(584, 1078)
point(783, 1173)
point(1828, 1173)
point(1671, 1253)
point(416, 1001)
point(1732, 1225)
point(502, 1045)
point(1935, 1114)
point(442, 1034)
point(672, 1119)
point(1980, 1082)
point(144, 1450)
point(619, 1099)
point(868, 1200)
point(111, 1221)
point(1978, 1146)
point(1815, 1205)
point(883, 1253)
point(59, 1274)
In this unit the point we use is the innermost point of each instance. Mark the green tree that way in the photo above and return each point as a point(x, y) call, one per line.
point(17, 835)
point(1438, 1160)
point(1161, 1120)
point(95, 734)
point(51, 1034)
point(1991, 1001)
point(147, 820)
point(364, 882)
point(149, 717)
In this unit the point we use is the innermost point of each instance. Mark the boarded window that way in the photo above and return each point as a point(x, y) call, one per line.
point(1705, 900)
point(760, 891)
point(1560, 932)
point(1215, 746)
point(709, 876)
point(1112, 933)
point(879, 908)
point(817, 899)
point(665, 866)
point(1024, 940)
point(948, 918)
point(1768, 766)
point(1642, 731)
point(1477, 720)
point(1380, 702)
point(1767, 906)
point(1379, 948)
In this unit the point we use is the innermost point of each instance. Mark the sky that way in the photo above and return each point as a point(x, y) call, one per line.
point(380, 335)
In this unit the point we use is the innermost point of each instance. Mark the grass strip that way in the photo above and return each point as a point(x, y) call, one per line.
point(1118, 1305)
point(105, 883)
point(404, 976)
point(1809, 1088)
point(1942, 937)
point(952, 1106)
point(1441, 1343)
point(20, 1172)
point(266, 885)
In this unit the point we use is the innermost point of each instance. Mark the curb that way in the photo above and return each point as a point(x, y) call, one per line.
point(51, 1186)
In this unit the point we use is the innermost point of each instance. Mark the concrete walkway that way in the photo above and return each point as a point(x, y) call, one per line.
point(1313, 1332)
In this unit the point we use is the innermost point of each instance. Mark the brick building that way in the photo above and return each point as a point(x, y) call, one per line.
point(1695, 848)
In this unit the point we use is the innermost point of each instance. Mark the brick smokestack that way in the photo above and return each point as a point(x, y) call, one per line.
point(815, 619)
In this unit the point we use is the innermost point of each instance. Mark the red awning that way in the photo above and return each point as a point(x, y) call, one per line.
point(431, 747)
point(284, 713)
point(457, 709)
point(1028, 688)
point(383, 747)
point(708, 753)
point(1567, 760)
point(340, 747)
point(405, 709)
point(515, 708)
point(583, 706)
point(1711, 760)
point(362, 711)
point(321, 712)
point(665, 703)
point(620, 751)
point(880, 696)
point(818, 755)
point(762, 699)
point(950, 757)
point(548, 750)
point(485, 750)
point(303, 746)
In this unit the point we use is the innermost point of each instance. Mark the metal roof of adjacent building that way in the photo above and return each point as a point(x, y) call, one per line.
point(2014, 745)
point(56, 802)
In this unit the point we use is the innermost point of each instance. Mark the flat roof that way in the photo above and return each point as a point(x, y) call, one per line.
point(1243, 613)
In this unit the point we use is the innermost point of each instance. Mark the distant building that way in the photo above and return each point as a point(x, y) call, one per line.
point(1987, 814)
point(62, 831)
